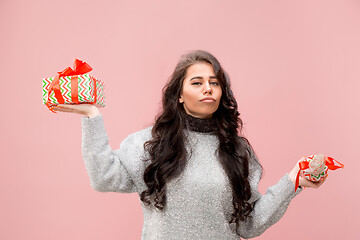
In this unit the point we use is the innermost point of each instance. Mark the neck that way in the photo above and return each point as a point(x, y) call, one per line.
point(200, 124)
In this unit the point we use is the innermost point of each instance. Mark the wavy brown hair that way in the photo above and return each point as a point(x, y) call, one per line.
point(167, 152)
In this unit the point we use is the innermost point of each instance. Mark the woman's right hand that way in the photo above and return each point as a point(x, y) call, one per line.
point(85, 109)
point(303, 182)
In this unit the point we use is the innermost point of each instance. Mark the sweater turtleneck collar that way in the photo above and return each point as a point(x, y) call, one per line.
point(200, 124)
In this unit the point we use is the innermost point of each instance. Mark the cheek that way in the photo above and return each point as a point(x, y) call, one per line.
point(189, 94)
point(220, 91)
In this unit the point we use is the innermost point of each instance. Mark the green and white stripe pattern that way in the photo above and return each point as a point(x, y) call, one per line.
point(85, 90)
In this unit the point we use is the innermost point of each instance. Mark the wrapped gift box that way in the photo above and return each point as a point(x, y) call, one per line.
point(74, 87)
point(315, 168)
point(90, 90)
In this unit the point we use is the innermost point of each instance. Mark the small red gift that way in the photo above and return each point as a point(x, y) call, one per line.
point(73, 86)
point(315, 168)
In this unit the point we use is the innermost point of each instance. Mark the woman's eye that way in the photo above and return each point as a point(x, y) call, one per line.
point(211, 83)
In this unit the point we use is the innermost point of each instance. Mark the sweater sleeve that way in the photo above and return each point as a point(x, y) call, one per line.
point(107, 169)
point(268, 208)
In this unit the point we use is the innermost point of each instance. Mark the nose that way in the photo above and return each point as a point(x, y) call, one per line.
point(207, 88)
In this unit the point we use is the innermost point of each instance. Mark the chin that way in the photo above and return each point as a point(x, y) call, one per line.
point(207, 115)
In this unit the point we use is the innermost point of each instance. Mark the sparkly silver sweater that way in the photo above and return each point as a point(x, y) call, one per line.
point(199, 201)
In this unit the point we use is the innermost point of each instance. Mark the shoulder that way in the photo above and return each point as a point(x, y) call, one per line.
point(137, 138)
point(255, 168)
point(132, 149)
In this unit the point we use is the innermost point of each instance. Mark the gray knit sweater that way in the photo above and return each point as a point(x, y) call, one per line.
point(199, 202)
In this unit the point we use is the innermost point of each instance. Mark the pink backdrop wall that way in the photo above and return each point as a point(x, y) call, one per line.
point(295, 72)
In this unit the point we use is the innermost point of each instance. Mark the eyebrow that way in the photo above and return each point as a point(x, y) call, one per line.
point(198, 77)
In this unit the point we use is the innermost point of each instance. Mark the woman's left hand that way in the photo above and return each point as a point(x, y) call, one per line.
point(303, 182)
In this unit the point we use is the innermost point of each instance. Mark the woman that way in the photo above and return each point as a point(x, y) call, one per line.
point(196, 176)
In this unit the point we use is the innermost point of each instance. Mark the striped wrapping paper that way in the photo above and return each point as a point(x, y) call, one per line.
point(86, 90)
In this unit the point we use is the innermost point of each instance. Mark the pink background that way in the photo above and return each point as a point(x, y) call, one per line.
point(295, 72)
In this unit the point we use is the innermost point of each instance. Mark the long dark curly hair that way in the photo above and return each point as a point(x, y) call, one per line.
point(167, 152)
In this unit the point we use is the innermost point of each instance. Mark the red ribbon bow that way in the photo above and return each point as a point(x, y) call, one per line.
point(329, 162)
point(80, 67)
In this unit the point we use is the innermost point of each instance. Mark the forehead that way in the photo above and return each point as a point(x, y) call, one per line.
point(200, 69)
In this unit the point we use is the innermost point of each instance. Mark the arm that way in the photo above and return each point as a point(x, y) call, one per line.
point(105, 167)
point(268, 208)
point(115, 171)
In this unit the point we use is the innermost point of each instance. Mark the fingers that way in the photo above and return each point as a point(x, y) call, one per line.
point(67, 108)
point(303, 181)
point(82, 109)
point(313, 184)
point(310, 184)
point(63, 108)
point(317, 184)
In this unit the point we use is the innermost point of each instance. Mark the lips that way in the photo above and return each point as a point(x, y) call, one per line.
point(207, 100)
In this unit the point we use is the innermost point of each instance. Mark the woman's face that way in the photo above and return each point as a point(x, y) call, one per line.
point(201, 92)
